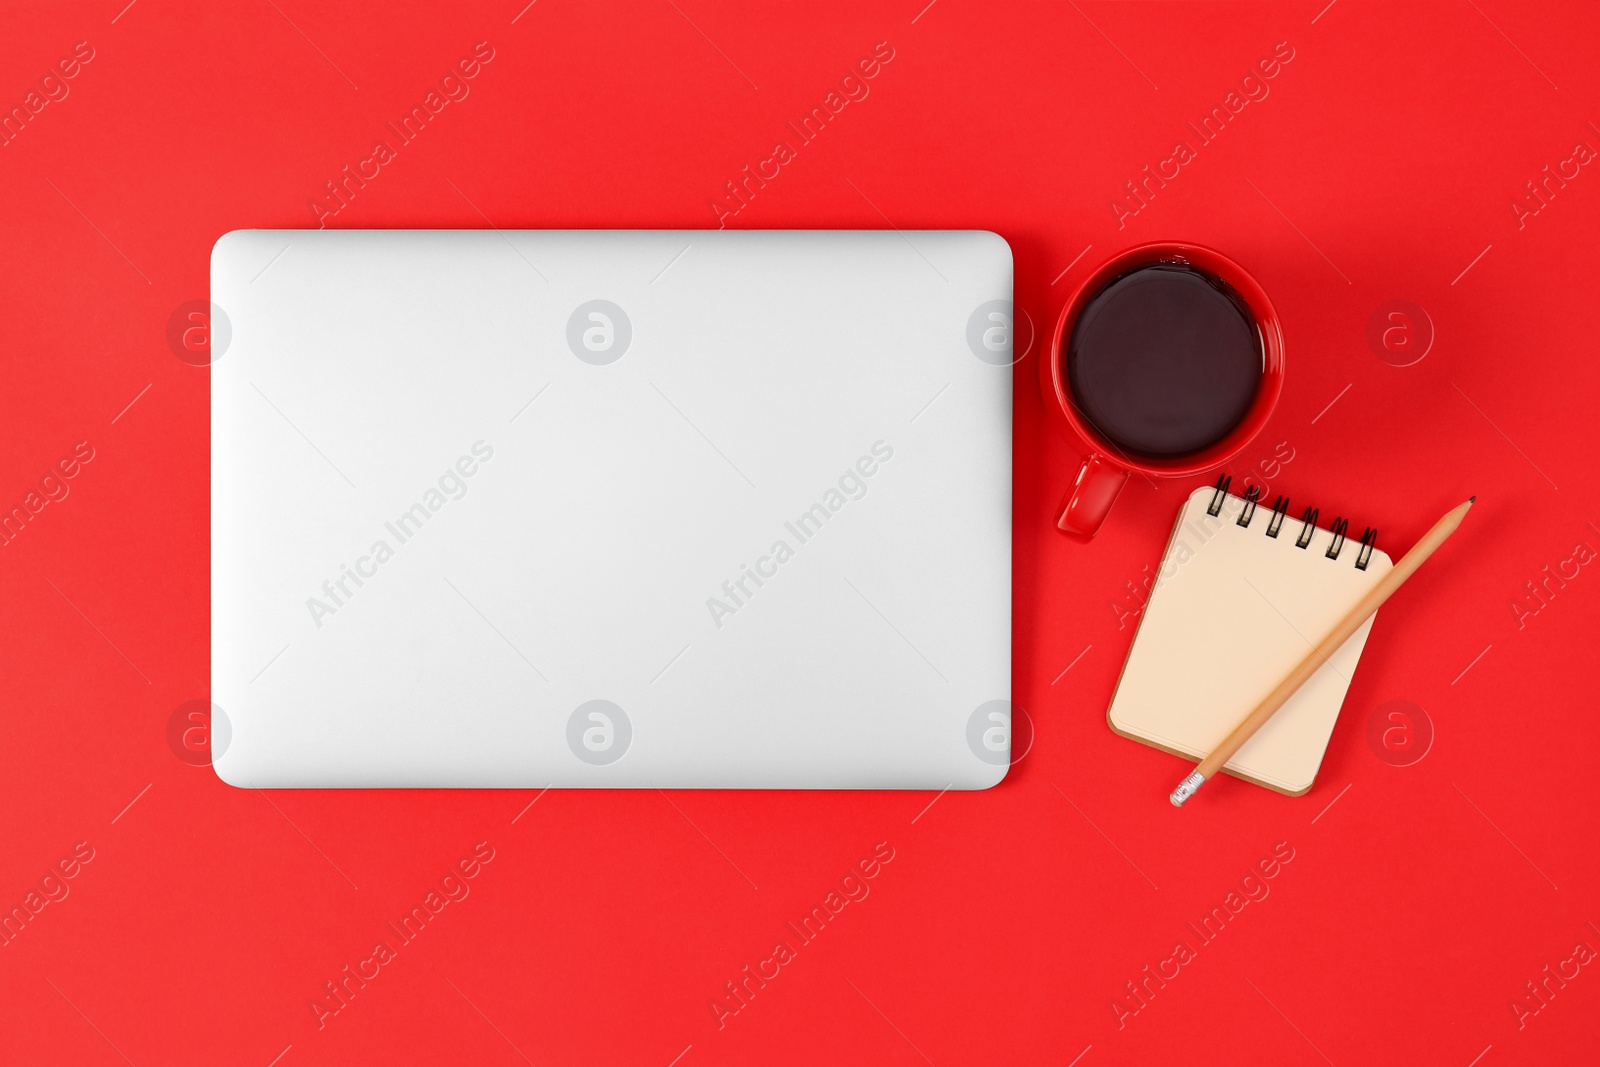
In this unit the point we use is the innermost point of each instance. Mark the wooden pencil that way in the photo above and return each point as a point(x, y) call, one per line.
point(1321, 652)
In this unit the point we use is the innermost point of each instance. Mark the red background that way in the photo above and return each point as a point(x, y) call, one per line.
point(1381, 166)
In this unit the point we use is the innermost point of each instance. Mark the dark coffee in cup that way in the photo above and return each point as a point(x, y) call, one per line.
point(1164, 360)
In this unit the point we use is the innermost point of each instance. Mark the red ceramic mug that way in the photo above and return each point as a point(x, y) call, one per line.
point(1107, 467)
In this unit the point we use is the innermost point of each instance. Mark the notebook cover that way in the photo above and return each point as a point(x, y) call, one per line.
point(1232, 611)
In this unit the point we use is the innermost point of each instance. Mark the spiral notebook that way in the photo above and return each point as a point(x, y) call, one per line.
point(1242, 595)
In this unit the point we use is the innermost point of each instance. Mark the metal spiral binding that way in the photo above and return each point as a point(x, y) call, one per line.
point(1252, 496)
point(1310, 520)
point(1339, 528)
point(1223, 481)
point(1369, 541)
point(1280, 511)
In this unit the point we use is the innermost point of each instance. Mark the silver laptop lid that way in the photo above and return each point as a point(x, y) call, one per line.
point(611, 508)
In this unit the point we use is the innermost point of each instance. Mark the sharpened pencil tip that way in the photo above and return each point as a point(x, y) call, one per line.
point(1472, 499)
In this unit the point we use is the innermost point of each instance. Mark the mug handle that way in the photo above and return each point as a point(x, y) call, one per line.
point(1089, 502)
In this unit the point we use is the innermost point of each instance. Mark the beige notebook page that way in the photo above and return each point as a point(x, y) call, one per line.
point(1232, 612)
